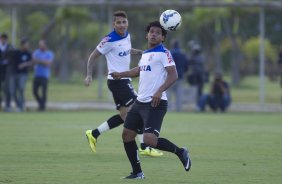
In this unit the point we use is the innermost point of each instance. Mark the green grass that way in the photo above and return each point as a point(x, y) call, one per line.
point(50, 148)
point(246, 92)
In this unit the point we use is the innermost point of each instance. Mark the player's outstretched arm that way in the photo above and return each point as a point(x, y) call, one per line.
point(172, 76)
point(134, 72)
point(91, 60)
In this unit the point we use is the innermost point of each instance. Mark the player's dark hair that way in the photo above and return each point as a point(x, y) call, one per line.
point(4, 36)
point(156, 24)
point(119, 13)
point(24, 41)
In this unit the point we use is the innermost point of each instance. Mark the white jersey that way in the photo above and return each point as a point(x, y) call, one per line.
point(152, 72)
point(117, 52)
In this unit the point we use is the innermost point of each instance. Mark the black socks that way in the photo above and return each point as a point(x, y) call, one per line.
point(143, 146)
point(115, 121)
point(166, 145)
point(131, 150)
point(95, 133)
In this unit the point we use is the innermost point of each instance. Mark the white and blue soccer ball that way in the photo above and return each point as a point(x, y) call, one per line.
point(170, 20)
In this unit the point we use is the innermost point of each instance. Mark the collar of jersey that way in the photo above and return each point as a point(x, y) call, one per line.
point(158, 48)
point(114, 36)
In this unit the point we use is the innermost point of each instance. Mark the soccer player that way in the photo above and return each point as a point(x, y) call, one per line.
point(116, 47)
point(157, 73)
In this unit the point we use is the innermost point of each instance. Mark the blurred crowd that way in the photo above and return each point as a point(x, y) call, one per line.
point(191, 70)
point(15, 64)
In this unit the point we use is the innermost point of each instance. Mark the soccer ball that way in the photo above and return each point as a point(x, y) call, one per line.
point(170, 20)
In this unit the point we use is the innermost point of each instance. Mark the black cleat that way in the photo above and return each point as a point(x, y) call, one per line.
point(135, 176)
point(185, 159)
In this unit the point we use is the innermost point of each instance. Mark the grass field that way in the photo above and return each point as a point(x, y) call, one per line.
point(41, 148)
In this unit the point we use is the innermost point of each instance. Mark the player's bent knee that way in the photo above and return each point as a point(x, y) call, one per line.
point(150, 139)
point(128, 135)
point(123, 112)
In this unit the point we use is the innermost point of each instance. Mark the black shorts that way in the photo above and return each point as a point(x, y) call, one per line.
point(122, 91)
point(142, 117)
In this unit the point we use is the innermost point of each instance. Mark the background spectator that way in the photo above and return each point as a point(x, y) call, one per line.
point(197, 69)
point(219, 96)
point(176, 89)
point(280, 65)
point(5, 69)
point(42, 58)
point(23, 59)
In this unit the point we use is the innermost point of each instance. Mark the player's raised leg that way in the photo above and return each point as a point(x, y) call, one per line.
point(182, 153)
point(92, 135)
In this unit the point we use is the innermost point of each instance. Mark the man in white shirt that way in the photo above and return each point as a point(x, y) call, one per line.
point(157, 73)
point(116, 47)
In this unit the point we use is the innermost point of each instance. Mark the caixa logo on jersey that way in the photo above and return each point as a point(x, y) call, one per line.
point(145, 68)
point(124, 53)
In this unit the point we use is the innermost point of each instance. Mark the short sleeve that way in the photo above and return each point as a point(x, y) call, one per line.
point(104, 46)
point(167, 59)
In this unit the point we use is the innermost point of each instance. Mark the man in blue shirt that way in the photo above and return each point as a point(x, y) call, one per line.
point(42, 58)
point(181, 63)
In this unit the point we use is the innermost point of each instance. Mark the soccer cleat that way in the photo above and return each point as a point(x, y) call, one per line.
point(91, 140)
point(185, 159)
point(135, 176)
point(148, 151)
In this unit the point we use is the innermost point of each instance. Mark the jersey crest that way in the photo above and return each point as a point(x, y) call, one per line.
point(151, 57)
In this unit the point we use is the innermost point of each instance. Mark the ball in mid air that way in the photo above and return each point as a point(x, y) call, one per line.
point(170, 20)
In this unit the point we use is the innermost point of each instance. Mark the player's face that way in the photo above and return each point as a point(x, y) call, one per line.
point(120, 25)
point(155, 36)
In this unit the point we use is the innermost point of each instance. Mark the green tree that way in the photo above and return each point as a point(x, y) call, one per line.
point(5, 23)
point(251, 50)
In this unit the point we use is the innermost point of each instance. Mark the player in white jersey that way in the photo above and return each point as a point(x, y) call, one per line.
point(157, 73)
point(116, 47)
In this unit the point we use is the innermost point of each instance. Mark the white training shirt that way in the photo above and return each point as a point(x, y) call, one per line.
point(116, 49)
point(152, 72)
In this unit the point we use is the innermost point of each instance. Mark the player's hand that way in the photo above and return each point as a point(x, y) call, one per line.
point(115, 75)
point(87, 80)
point(156, 99)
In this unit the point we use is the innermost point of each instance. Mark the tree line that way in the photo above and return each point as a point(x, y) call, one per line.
point(229, 37)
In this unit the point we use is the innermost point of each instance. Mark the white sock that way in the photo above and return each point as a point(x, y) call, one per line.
point(140, 137)
point(103, 127)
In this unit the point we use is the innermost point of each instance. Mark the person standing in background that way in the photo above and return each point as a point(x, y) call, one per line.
point(197, 74)
point(280, 67)
point(176, 89)
point(23, 59)
point(5, 57)
point(42, 59)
